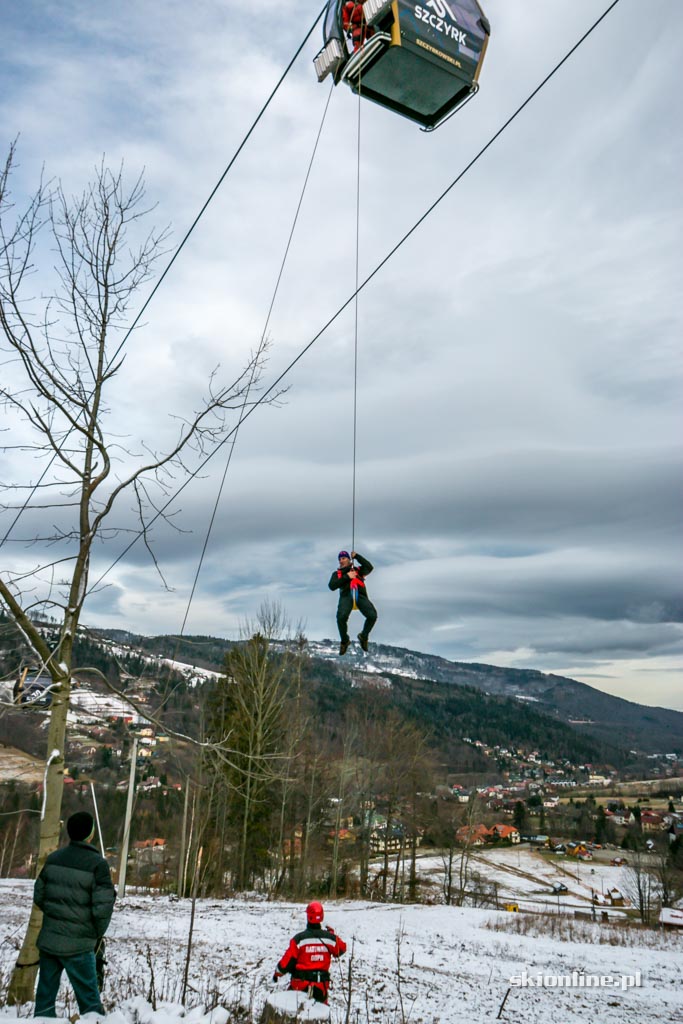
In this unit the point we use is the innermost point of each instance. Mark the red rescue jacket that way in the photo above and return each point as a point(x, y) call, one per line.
point(353, 19)
point(339, 580)
point(309, 955)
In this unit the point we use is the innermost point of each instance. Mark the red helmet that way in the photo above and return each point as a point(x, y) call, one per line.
point(314, 912)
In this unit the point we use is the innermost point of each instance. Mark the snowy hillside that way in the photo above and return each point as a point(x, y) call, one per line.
point(426, 965)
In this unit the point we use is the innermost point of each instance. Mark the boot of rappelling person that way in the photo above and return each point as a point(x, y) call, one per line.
point(309, 955)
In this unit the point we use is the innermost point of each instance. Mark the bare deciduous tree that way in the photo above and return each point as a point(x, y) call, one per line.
point(62, 352)
point(641, 886)
point(250, 704)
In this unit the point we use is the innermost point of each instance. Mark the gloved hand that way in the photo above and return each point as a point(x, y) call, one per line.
point(277, 976)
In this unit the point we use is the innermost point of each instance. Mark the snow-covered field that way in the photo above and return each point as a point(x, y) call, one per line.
point(423, 964)
point(525, 875)
point(16, 766)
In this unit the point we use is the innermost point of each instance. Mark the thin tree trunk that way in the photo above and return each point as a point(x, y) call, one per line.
point(195, 885)
point(5, 841)
point(17, 830)
point(412, 884)
point(399, 856)
point(183, 839)
point(189, 842)
point(23, 982)
point(385, 873)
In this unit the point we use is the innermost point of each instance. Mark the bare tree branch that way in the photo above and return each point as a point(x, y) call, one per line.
point(64, 352)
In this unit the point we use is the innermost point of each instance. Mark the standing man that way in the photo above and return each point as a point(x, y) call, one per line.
point(309, 955)
point(76, 895)
point(349, 580)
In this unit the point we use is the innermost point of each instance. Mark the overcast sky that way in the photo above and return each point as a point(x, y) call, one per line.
point(518, 477)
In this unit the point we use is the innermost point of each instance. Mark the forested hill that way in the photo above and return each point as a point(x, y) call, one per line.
point(613, 720)
point(448, 713)
point(500, 706)
point(453, 699)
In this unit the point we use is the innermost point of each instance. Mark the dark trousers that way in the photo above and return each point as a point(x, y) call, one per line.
point(365, 607)
point(317, 989)
point(80, 970)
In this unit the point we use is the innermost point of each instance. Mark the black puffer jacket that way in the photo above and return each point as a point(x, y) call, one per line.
point(76, 895)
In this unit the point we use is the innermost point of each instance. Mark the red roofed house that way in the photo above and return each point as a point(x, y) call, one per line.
point(507, 833)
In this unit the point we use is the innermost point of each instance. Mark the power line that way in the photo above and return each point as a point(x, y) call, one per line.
point(360, 288)
point(264, 333)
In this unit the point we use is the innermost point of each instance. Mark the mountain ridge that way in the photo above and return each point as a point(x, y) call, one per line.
point(614, 720)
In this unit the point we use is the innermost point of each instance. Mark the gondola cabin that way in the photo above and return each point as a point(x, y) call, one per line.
point(421, 60)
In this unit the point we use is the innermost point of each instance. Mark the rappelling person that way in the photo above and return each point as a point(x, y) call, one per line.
point(355, 25)
point(349, 580)
point(309, 955)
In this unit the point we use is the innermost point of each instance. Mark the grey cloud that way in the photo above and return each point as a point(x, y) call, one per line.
point(518, 485)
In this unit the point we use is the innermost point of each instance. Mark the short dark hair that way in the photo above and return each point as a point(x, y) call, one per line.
point(80, 826)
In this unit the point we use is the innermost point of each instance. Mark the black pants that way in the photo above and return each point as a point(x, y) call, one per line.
point(365, 607)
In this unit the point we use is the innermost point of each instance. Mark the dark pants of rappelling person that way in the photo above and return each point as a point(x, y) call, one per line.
point(365, 607)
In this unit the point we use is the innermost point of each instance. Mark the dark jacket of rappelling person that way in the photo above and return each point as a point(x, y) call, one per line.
point(340, 579)
point(355, 26)
point(309, 955)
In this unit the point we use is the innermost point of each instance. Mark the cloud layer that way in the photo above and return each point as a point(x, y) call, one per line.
point(518, 462)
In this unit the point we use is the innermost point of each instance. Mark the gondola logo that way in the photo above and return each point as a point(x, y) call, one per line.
point(435, 13)
point(441, 8)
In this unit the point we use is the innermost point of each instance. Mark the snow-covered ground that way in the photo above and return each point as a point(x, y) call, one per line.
point(423, 964)
point(17, 766)
point(526, 875)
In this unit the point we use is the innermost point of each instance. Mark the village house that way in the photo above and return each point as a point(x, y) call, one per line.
point(651, 821)
point(149, 851)
point(150, 784)
point(478, 835)
point(670, 918)
point(392, 839)
point(292, 845)
point(472, 835)
point(342, 835)
point(506, 833)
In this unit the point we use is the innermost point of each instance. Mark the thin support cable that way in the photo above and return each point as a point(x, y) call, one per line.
point(222, 178)
point(172, 260)
point(278, 380)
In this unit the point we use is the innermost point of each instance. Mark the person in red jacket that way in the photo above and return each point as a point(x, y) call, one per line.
point(353, 20)
point(309, 955)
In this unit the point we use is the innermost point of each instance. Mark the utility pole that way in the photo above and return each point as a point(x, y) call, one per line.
point(97, 816)
point(123, 861)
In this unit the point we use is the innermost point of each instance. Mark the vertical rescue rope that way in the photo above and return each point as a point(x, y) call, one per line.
point(354, 589)
point(355, 333)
